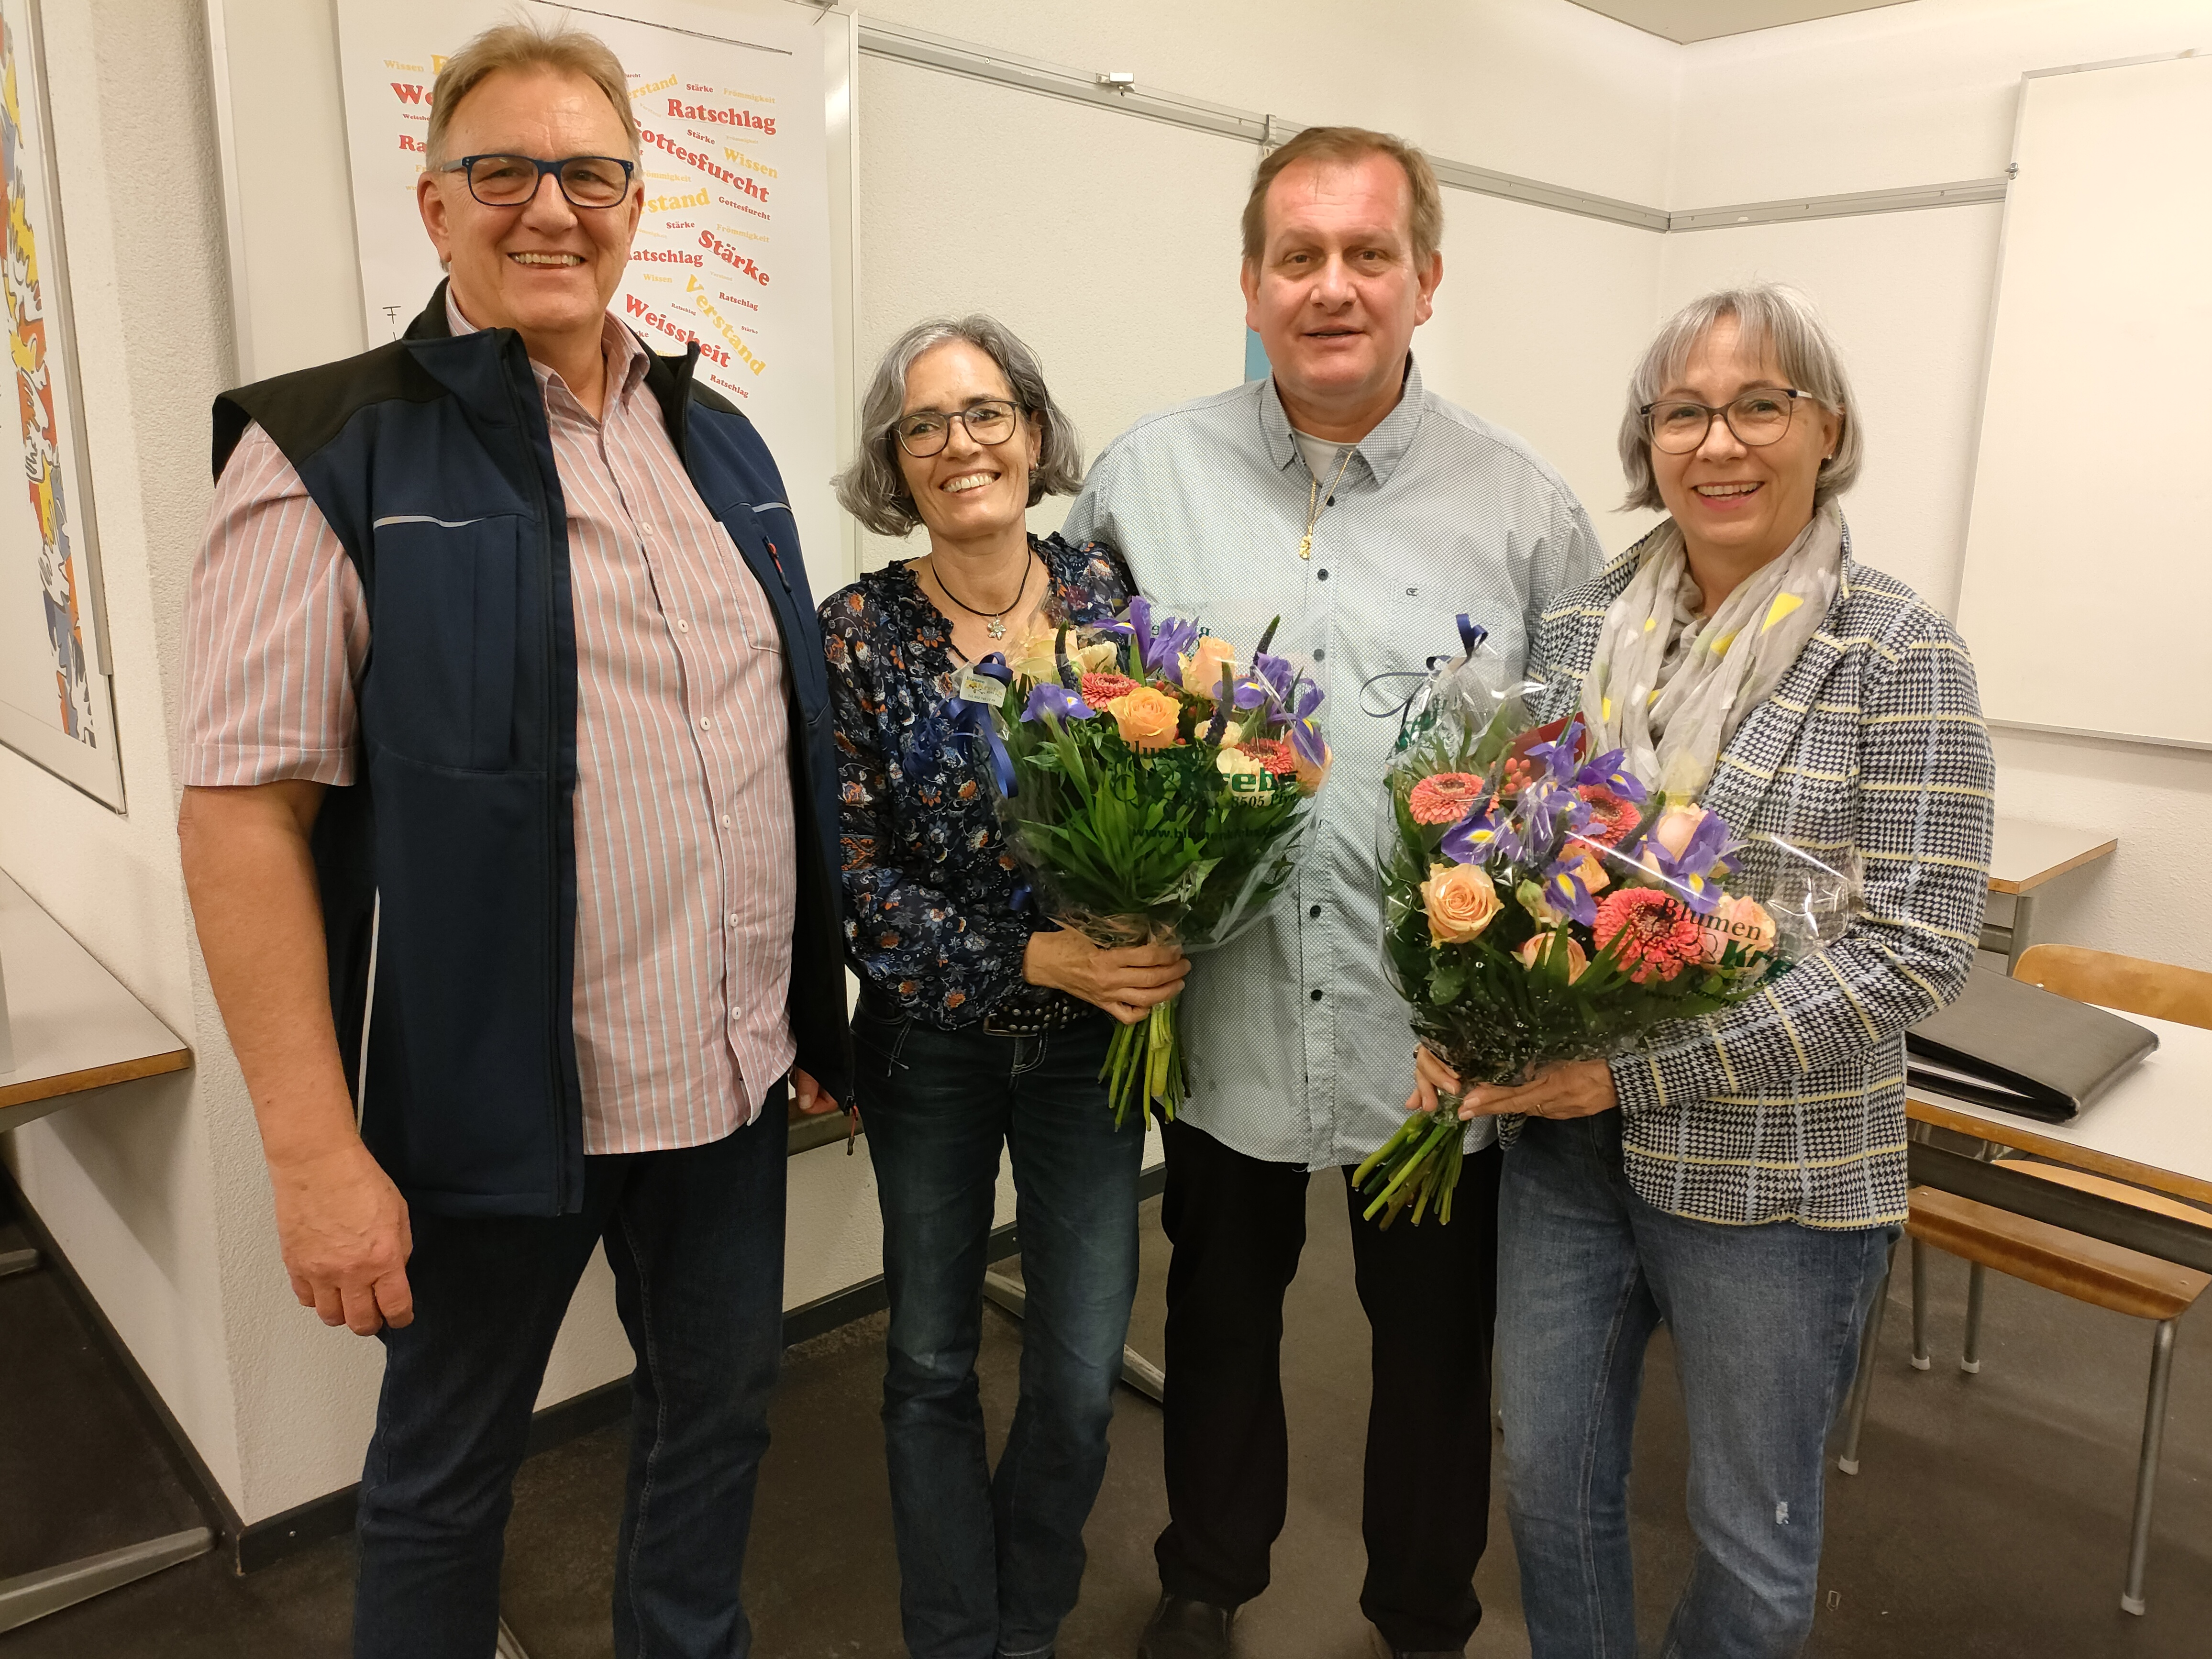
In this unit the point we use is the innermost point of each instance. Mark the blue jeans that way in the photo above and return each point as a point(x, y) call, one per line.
point(695, 1241)
point(990, 1562)
point(1766, 1323)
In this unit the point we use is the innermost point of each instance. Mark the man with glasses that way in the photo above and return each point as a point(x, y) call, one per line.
point(509, 827)
point(1365, 511)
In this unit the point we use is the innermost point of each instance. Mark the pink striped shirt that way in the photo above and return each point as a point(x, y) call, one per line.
point(684, 828)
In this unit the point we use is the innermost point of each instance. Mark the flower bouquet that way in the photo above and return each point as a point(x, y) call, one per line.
point(1540, 905)
point(1155, 786)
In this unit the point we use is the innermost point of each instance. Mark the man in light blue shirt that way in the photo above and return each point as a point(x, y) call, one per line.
point(1365, 511)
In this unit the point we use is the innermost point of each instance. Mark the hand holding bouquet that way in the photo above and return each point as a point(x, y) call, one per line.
point(1541, 904)
point(1156, 786)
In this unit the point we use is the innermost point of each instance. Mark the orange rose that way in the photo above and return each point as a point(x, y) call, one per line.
point(1742, 922)
point(1461, 902)
point(1201, 669)
point(1675, 827)
point(1147, 718)
point(1311, 777)
point(1595, 877)
point(1532, 947)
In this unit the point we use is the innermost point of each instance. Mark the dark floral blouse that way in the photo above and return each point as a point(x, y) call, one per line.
point(929, 880)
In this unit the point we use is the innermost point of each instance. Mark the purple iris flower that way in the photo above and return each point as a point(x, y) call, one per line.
point(1692, 873)
point(1606, 773)
point(1305, 733)
point(1541, 805)
point(1045, 698)
point(1556, 760)
point(1482, 834)
point(1160, 644)
point(1563, 889)
point(1276, 675)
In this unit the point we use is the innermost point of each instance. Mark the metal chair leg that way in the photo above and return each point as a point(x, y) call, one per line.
point(2162, 1373)
point(1970, 1358)
point(1862, 1380)
point(1919, 1307)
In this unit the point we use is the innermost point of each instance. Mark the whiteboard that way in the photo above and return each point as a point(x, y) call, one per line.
point(2087, 584)
point(328, 255)
point(56, 705)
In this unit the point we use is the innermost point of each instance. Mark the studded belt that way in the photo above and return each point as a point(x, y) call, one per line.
point(1057, 1015)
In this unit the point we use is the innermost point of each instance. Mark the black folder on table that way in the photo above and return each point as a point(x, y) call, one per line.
point(2018, 1048)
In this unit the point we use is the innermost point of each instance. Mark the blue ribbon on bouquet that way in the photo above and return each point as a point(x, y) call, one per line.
point(1471, 634)
point(974, 720)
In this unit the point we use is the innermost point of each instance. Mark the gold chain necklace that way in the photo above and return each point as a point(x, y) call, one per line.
point(1314, 495)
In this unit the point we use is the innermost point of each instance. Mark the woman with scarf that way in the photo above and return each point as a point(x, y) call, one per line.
point(1742, 1176)
point(980, 1025)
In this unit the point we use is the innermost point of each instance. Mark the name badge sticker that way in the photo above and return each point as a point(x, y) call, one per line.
point(981, 688)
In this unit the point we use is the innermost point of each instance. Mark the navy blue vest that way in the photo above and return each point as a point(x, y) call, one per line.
point(450, 863)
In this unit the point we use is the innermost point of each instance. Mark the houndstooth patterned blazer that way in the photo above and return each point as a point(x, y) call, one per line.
point(1790, 1106)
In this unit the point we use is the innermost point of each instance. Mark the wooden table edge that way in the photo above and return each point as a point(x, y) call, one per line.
point(93, 1076)
point(2028, 885)
point(2023, 1138)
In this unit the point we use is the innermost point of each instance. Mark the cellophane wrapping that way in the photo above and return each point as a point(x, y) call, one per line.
point(1153, 783)
point(1540, 905)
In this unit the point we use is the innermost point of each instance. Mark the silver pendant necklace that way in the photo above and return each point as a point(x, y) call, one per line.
point(995, 621)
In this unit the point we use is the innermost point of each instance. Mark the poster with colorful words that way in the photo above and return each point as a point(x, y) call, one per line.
point(733, 251)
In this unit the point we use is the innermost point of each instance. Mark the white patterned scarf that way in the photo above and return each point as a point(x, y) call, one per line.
point(1670, 687)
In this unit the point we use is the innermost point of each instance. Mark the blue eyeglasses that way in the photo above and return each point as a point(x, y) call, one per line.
point(588, 181)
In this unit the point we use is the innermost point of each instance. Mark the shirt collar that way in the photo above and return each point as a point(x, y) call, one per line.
point(1379, 451)
point(627, 361)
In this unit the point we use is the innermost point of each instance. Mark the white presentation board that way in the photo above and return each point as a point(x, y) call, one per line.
point(2087, 586)
point(55, 703)
point(293, 168)
point(733, 249)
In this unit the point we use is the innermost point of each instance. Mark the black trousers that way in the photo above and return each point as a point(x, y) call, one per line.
point(1238, 1224)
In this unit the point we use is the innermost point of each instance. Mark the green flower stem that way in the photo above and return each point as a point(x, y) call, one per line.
point(1144, 1064)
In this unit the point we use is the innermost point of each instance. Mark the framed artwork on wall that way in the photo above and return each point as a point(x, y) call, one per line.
point(56, 704)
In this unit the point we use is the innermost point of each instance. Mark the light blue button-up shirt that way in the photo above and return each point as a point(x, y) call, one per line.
point(1299, 1051)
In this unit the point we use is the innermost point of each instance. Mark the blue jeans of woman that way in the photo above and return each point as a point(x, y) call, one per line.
point(990, 1560)
point(1766, 1323)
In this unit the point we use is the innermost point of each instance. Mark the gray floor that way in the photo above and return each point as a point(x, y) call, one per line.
point(1991, 1519)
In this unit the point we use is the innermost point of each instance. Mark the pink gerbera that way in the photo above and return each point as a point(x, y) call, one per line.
point(1271, 753)
point(1444, 797)
point(1099, 689)
point(1612, 816)
point(1652, 935)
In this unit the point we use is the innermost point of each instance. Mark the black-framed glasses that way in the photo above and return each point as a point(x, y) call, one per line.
point(1676, 426)
point(927, 431)
point(588, 181)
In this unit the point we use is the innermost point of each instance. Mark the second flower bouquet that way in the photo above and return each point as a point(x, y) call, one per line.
point(1540, 905)
point(1155, 786)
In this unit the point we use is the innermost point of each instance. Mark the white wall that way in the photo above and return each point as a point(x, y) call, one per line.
point(1926, 94)
point(132, 1181)
point(1110, 243)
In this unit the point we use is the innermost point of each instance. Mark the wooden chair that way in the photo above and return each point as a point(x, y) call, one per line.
point(2088, 1269)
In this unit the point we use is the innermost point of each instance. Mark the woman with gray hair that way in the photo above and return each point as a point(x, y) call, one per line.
point(979, 1023)
point(1741, 1176)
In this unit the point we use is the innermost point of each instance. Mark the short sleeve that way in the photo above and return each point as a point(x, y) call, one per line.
point(276, 633)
